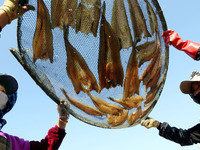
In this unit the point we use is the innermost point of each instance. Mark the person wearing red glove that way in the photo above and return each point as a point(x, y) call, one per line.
point(12, 10)
point(181, 136)
point(189, 47)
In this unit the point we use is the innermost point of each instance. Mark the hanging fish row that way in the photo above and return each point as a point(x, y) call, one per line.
point(84, 17)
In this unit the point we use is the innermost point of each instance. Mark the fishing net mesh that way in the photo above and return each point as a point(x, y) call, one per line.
point(52, 76)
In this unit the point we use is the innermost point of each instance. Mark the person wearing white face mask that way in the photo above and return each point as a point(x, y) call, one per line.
point(8, 97)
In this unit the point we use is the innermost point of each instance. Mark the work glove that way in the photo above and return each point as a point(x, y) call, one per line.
point(13, 10)
point(189, 47)
point(62, 110)
point(150, 122)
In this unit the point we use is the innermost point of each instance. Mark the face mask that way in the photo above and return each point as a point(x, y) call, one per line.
point(196, 98)
point(3, 100)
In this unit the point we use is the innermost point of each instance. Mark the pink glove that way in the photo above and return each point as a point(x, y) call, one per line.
point(189, 47)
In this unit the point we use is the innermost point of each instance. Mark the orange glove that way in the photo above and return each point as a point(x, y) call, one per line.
point(13, 10)
point(189, 47)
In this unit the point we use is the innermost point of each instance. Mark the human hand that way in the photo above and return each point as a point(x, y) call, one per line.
point(150, 122)
point(171, 38)
point(62, 110)
point(14, 10)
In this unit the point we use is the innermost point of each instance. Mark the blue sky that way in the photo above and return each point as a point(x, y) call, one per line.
point(34, 112)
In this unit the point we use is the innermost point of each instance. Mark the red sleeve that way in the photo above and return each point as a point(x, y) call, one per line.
point(51, 142)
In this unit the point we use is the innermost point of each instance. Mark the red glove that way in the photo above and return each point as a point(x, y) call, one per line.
point(189, 47)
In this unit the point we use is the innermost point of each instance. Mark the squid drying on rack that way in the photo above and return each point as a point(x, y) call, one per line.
point(138, 21)
point(109, 63)
point(88, 109)
point(120, 24)
point(129, 103)
point(132, 83)
point(63, 12)
point(43, 37)
point(77, 69)
point(87, 16)
point(134, 116)
point(152, 18)
point(116, 120)
point(105, 107)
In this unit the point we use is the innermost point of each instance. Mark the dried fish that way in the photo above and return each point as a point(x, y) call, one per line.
point(152, 18)
point(110, 68)
point(152, 93)
point(56, 13)
point(129, 103)
point(63, 12)
point(148, 108)
point(120, 24)
point(87, 16)
point(69, 12)
point(138, 21)
point(156, 76)
point(88, 109)
point(77, 69)
point(105, 107)
point(151, 69)
point(116, 120)
point(146, 51)
point(43, 37)
point(132, 82)
point(134, 116)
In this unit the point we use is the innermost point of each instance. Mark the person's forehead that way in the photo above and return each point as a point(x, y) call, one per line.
point(2, 87)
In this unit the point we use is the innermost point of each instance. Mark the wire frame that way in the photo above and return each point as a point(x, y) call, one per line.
point(85, 60)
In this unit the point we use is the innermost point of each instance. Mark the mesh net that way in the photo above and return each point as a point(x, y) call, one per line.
point(106, 58)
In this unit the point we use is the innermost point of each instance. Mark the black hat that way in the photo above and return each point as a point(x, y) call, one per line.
point(10, 83)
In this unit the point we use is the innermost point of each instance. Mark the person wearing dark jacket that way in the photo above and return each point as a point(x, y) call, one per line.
point(190, 48)
point(178, 135)
point(8, 97)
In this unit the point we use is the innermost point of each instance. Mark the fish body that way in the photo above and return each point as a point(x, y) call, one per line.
point(77, 69)
point(88, 16)
point(129, 103)
point(104, 106)
point(110, 69)
point(88, 109)
point(43, 37)
point(134, 116)
point(119, 23)
point(116, 120)
point(132, 82)
point(138, 21)
point(152, 18)
point(63, 12)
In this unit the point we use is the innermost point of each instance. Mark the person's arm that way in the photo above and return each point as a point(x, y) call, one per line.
point(189, 47)
point(11, 10)
point(4, 20)
point(56, 134)
point(180, 136)
point(52, 141)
